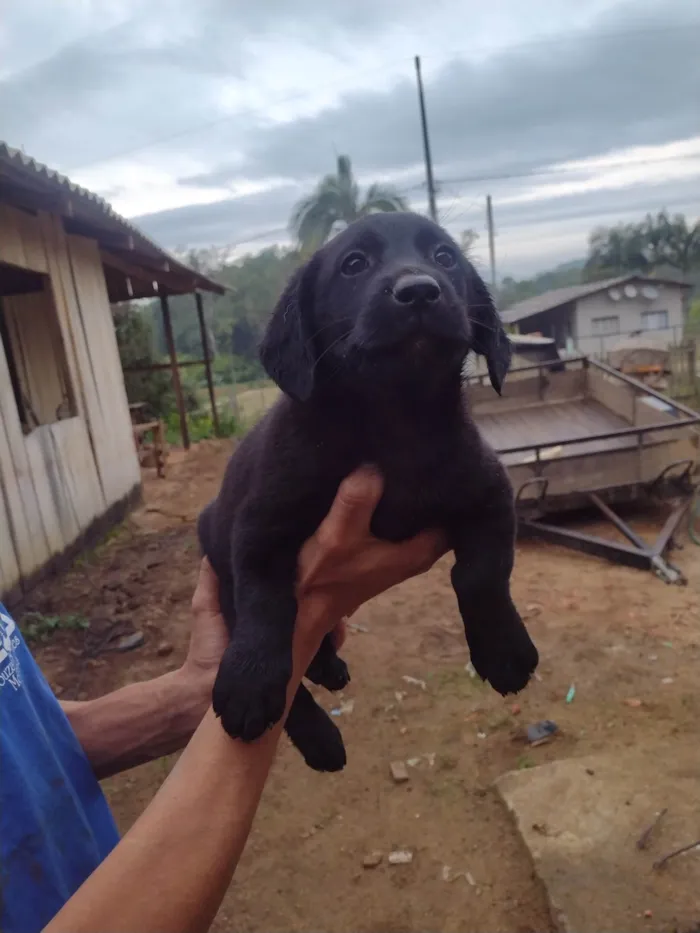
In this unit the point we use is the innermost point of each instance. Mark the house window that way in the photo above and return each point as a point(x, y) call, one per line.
point(33, 345)
point(654, 320)
point(604, 326)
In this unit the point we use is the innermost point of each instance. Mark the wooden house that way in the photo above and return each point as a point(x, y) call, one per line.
point(68, 464)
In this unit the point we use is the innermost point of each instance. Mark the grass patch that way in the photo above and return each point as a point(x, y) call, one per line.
point(201, 426)
point(38, 628)
point(87, 558)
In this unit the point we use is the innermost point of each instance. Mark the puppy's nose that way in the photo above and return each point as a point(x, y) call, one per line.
point(411, 289)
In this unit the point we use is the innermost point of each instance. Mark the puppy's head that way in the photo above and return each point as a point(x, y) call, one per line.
point(392, 295)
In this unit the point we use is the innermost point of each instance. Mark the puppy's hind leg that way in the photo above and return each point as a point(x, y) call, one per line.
point(327, 669)
point(314, 734)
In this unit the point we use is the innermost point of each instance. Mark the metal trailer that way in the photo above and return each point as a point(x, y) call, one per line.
point(578, 434)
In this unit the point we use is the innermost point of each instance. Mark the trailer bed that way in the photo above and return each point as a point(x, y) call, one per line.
point(578, 433)
point(550, 424)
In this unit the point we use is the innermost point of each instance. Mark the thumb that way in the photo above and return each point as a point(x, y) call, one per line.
point(354, 504)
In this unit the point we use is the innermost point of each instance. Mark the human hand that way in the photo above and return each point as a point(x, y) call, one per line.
point(340, 567)
point(343, 565)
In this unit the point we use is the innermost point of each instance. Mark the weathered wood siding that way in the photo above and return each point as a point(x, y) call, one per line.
point(62, 476)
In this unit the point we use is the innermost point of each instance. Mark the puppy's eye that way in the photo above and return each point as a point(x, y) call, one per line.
point(444, 256)
point(354, 263)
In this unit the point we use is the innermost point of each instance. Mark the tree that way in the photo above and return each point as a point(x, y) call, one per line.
point(467, 239)
point(512, 290)
point(656, 242)
point(134, 330)
point(693, 322)
point(337, 200)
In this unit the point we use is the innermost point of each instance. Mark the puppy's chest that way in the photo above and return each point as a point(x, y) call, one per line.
point(417, 495)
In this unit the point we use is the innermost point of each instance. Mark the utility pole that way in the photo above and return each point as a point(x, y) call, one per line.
point(492, 246)
point(426, 143)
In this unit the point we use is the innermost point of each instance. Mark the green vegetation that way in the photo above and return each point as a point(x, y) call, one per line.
point(337, 200)
point(94, 555)
point(235, 321)
point(653, 246)
point(37, 627)
point(658, 245)
point(694, 319)
point(201, 426)
point(513, 290)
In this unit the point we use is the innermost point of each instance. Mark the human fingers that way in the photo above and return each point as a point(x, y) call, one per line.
point(339, 634)
point(419, 553)
point(351, 513)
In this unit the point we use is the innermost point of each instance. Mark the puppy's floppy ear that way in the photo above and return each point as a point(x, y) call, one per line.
point(287, 348)
point(490, 339)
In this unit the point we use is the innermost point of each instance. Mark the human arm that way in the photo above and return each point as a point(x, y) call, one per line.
point(172, 869)
point(138, 723)
point(144, 721)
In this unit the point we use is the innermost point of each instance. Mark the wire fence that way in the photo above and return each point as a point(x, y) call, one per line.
point(600, 345)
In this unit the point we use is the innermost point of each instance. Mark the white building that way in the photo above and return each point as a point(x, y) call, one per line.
point(587, 317)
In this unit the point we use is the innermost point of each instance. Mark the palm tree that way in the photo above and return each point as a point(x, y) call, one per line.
point(337, 200)
point(645, 247)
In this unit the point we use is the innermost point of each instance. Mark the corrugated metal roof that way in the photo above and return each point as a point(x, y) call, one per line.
point(16, 167)
point(562, 296)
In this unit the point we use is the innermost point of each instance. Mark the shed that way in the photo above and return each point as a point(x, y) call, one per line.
point(68, 463)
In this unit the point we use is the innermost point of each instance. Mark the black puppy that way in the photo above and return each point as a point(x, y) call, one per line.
point(367, 343)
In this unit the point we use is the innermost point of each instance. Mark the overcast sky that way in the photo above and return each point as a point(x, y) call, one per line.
point(205, 120)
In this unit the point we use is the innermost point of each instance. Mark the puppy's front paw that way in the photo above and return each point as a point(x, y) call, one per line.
point(250, 694)
point(504, 655)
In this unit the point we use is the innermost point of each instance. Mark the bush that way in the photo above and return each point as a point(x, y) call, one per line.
point(201, 426)
point(134, 330)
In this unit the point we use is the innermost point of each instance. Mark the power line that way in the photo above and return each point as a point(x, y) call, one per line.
point(549, 172)
point(446, 213)
point(263, 235)
point(386, 66)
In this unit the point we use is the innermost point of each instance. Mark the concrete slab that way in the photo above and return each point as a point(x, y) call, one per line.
point(581, 819)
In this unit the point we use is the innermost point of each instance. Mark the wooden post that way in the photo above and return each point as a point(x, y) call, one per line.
point(207, 362)
point(177, 385)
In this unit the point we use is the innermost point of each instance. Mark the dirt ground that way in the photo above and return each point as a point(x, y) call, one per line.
point(628, 643)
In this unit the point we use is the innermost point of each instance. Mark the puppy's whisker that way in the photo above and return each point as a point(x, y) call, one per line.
point(329, 324)
point(486, 326)
point(332, 345)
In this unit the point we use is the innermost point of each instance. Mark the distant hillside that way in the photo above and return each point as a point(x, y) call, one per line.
point(513, 290)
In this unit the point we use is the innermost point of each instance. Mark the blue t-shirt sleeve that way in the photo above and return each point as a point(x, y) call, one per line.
point(55, 824)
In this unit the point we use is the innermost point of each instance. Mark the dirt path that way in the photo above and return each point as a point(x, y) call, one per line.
point(628, 643)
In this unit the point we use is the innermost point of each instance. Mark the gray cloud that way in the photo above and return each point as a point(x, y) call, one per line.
point(98, 97)
point(555, 100)
point(224, 222)
point(603, 206)
point(261, 218)
point(159, 72)
point(630, 77)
